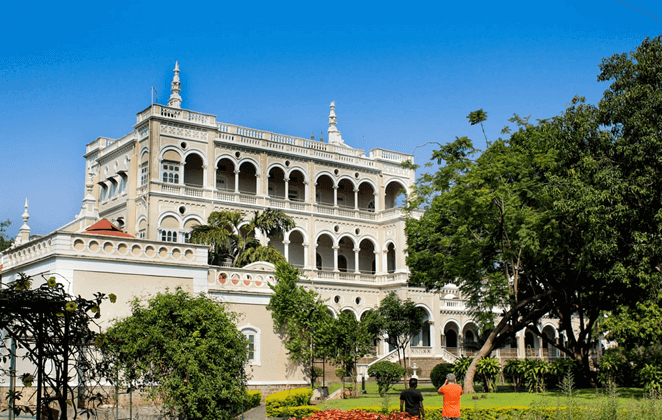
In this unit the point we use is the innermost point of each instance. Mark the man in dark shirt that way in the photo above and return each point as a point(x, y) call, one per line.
point(412, 400)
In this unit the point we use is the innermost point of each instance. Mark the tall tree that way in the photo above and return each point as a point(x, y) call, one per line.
point(229, 240)
point(184, 350)
point(301, 317)
point(483, 231)
point(561, 218)
point(347, 340)
point(396, 321)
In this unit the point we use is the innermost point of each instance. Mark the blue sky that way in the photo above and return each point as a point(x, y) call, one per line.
point(401, 74)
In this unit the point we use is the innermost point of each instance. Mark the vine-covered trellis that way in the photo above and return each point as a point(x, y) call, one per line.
point(56, 334)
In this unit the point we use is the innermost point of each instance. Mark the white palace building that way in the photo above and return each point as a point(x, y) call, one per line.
point(175, 166)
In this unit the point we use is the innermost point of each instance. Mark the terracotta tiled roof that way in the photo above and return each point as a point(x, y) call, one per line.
point(104, 227)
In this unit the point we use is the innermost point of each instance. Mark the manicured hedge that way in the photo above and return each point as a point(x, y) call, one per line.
point(290, 398)
point(298, 412)
point(254, 399)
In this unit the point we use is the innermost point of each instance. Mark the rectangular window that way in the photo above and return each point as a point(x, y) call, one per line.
point(251, 347)
point(143, 174)
point(170, 172)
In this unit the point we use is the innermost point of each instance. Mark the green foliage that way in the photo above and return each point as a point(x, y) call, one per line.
point(488, 368)
point(535, 371)
point(460, 367)
point(634, 326)
point(477, 117)
point(289, 398)
point(397, 321)
point(514, 371)
point(542, 222)
point(386, 373)
point(439, 372)
point(295, 412)
point(650, 377)
point(227, 241)
point(345, 340)
point(254, 399)
point(184, 350)
point(615, 367)
point(5, 241)
point(51, 328)
point(301, 318)
point(560, 369)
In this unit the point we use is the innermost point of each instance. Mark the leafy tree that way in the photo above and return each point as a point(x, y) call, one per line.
point(534, 225)
point(185, 351)
point(483, 230)
point(239, 245)
point(5, 241)
point(346, 340)
point(386, 374)
point(49, 327)
point(396, 321)
point(301, 318)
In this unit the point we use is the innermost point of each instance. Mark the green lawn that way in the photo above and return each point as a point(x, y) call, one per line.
point(581, 397)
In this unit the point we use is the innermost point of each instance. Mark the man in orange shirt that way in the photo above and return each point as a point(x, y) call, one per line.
point(451, 392)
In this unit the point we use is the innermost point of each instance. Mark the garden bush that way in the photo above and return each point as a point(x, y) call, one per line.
point(298, 412)
point(487, 369)
point(290, 398)
point(513, 371)
point(460, 367)
point(439, 372)
point(616, 367)
point(254, 399)
point(386, 373)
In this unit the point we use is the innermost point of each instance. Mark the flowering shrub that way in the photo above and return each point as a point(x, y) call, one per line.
point(356, 415)
point(434, 413)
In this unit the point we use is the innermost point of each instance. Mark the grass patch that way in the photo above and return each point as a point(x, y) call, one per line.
point(582, 397)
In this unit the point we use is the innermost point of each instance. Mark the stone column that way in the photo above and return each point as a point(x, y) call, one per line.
point(306, 263)
point(356, 260)
point(236, 181)
point(287, 188)
point(335, 196)
point(286, 250)
point(335, 258)
point(356, 199)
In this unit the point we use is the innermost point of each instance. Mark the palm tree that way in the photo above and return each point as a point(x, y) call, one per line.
point(229, 244)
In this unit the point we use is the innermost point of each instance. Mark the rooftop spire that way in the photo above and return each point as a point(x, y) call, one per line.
point(334, 134)
point(175, 100)
point(24, 231)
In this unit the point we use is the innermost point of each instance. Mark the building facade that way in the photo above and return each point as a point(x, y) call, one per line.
point(175, 166)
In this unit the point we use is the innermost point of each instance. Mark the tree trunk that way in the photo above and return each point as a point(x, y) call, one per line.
point(468, 387)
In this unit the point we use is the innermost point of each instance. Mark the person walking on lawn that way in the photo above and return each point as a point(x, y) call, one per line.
point(452, 393)
point(412, 400)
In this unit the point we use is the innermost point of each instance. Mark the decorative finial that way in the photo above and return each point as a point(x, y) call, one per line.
point(175, 100)
point(334, 134)
point(24, 231)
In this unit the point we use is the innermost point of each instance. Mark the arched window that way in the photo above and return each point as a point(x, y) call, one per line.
point(253, 337)
point(318, 261)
